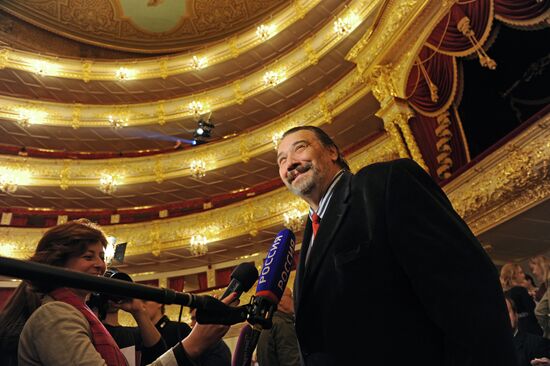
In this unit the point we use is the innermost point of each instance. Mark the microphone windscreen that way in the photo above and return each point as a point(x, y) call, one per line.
point(242, 347)
point(246, 273)
point(277, 266)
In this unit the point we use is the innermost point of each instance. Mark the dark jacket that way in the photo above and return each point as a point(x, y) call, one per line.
point(278, 346)
point(530, 346)
point(394, 267)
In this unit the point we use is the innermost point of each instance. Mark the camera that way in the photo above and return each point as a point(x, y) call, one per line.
point(100, 302)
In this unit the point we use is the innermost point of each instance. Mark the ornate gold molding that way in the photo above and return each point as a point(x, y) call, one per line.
point(52, 172)
point(163, 111)
point(507, 182)
point(166, 66)
point(244, 218)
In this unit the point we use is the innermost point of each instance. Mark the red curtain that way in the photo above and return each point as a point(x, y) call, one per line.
point(514, 11)
point(423, 129)
point(5, 294)
point(441, 71)
point(446, 36)
point(176, 283)
point(154, 283)
point(223, 276)
point(203, 282)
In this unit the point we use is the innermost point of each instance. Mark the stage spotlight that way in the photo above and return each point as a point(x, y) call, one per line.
point(204, 129)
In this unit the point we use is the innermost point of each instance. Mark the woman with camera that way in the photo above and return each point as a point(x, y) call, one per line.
point(57, 326)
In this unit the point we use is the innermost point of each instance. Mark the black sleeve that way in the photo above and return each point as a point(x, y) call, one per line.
point(150, 354)
point(452, 276)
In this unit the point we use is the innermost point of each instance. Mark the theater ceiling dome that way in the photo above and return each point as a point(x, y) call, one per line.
point(143, 26)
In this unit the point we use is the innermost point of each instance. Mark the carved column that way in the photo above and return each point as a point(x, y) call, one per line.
point(395, 112)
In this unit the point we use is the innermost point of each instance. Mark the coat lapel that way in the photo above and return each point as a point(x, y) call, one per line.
point(330, 223)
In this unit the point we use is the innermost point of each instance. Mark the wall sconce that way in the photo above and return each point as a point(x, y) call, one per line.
point(273, 78)
point(198, 63)
point(294, 220)
point(29, 117)
point(265, 32)
point(276, 138)
point(108, 183)
point(198, 168)
point(344, 26)
point(198, 245)
point(123, 74)
point(196, 108)
point(43, 68)
point(118, 122)
point(7, 184)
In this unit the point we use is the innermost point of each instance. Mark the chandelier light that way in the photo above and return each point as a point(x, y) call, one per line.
point(108, 183)
point(7, 250)
point(196, 108)
point(198, 245)
point(344, 26)
point(265, 32)
point(7, 184)
point(198, 63)
point(118, 122)
point(293, 220)
point(276, 138)
point(29, 117)
point(273, 78)
point(43, 68)
point(124, 73)
point(198, 168)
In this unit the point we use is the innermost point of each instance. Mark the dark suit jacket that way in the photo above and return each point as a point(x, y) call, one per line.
point(395, 277)
point(530, 346)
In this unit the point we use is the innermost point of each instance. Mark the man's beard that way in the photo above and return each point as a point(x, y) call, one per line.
point(306, 183)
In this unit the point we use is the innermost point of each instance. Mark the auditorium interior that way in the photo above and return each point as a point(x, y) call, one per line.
point(159, 120)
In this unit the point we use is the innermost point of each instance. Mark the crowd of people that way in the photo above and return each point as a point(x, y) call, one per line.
point(386, 231)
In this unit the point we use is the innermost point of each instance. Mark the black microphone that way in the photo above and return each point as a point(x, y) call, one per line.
point(38, 272)
point(243, 344)
point(271, 285)
point(242, 279)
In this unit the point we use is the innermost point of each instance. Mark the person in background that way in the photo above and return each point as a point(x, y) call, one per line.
point(528, 346)
point(63, 330)
point(278, 346)
point(217, 355)
point(514, 285)
point(384, 255)
point(145, 337)
point(540, 267)
point(172, 332)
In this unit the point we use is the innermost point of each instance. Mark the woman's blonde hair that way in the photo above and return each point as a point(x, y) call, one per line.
point(543, 263)
point(508, 274)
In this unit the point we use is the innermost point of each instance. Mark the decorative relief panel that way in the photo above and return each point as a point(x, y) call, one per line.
point(239, 219)
point(508, 181)
point(126, 25)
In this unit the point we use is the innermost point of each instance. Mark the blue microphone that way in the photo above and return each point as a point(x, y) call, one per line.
point(273, 279)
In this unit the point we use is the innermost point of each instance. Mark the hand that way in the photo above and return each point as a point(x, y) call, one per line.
point(204, 336)
point(132, 306)
point(540, 361)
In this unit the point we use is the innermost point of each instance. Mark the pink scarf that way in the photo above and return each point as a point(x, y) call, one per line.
point(101, 338)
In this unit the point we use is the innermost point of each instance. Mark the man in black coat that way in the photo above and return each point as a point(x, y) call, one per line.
point(393, 275)
point(529, 346)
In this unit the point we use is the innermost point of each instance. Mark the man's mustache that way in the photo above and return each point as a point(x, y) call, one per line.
point(302, 168)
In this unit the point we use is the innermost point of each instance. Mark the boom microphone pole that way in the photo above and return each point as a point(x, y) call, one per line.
point(65, 278)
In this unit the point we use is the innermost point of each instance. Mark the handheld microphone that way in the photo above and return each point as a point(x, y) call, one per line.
point(271, 285)
point(242, 347)
point(273, 279)
point(242, 279)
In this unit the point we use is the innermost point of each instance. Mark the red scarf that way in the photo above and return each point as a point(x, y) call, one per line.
point(101, 338)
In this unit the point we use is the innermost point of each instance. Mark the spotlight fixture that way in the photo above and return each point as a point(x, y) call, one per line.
point(204, 129)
